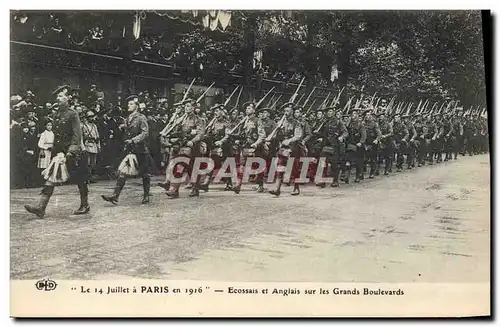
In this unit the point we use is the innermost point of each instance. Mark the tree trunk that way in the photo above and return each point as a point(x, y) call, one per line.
point(249, 37)
point(311, 53)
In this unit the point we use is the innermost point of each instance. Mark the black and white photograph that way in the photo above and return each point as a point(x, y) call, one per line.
point(252, 146)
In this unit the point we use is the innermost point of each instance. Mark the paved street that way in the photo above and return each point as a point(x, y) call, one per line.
point(431, 224)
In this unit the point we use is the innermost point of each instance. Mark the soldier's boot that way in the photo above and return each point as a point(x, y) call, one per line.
point(277, 191)
point(347, 173)
point(296, 189)
point(372, 171)
point(146, 185)
point(204, 186)
point(189, 186)
point(409, 162)
point(195, 191)
point(84, 200)
point(39, 210)
point(336, 174)
point(377, 168)
point(229, 184)
point(165, 185)
point(113, 198)
point(386, 167)
point(174, 191)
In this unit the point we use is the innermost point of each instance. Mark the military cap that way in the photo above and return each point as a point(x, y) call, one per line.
point(381, 112)
point(90, 113)
point(189, 100)
point(247, 104)
point(217, 106)
point(287, 104)
point(62, 88)
point(180, 103)
point(355, 110)
point(366, 111)
point(329, 108)
point(31, 123)
point(132, 97)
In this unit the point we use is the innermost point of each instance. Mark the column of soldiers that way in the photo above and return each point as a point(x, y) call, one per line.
point(362, 140)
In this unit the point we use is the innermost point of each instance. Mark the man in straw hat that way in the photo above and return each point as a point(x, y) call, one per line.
point(68, 143)
point(136, 136)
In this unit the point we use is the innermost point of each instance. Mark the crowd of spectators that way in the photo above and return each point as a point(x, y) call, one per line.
point(32, 137)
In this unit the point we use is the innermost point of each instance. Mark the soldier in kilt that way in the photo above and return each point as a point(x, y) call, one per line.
point(250, 137)
point(136, 139)
point(332, 134)
point(186, 139)
point(268, 124)
point(217, 140)
point(68, 144)
point(289, 134)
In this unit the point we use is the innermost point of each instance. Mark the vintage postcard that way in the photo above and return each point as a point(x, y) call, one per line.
point(249, 163)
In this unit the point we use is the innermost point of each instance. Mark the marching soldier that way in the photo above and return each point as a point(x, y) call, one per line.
point(400, 140)
point(268, 124)
point(186, 139)
point(421, 146)
point(373, 135)
point(386, 146)
point(68, 144)
point(249, 136)
point(355, 146)
point(217, 140)
point(458, 133)
point(333, 133)
point(410, 147)
point(289, 133)
point(136, 133)
point(449, 136)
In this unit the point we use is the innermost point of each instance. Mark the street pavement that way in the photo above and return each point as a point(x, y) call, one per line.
point(430, 224)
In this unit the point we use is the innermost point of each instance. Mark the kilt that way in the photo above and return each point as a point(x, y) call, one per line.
point(297, 151)
point(332, 153)
point(144, 161)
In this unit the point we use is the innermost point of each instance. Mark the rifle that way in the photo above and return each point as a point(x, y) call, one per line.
point(294, 95)
point(273, 134)
point(201, 96)
point(209, 125)
point(260, 101)
point(307, 100)
point(337, 98)
point(187, 91)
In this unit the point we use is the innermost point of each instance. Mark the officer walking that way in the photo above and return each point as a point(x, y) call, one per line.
point(136, 139)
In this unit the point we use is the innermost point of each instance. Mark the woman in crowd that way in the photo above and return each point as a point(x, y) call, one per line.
point(45, 144)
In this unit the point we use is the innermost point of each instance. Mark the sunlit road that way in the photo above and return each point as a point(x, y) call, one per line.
point(429, 224)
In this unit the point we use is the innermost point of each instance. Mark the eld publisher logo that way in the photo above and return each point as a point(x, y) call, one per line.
point(46, 285)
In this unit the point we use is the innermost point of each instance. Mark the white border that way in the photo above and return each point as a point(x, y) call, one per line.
point(185, 4)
